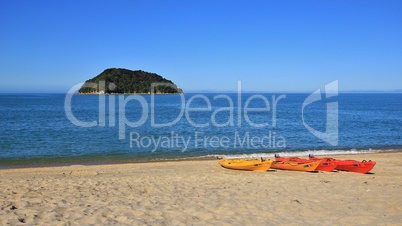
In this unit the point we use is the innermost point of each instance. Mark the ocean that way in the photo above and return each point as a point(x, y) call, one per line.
point(47, 129)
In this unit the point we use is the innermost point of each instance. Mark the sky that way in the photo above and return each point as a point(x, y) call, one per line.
point(272, 46)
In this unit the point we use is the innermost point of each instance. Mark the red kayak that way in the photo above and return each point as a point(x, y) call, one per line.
point(325, 165)
point(350, 165)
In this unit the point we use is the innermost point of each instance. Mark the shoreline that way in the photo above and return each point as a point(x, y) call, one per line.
point(201, 192)
point(189, 159)
point(100, 163)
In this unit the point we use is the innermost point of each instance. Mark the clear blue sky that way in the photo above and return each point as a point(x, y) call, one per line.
point(49, 46)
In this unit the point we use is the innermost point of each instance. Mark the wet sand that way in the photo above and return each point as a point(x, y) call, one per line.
point(199, 193)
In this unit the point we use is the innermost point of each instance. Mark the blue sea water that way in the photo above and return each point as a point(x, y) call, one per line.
point(38, 128)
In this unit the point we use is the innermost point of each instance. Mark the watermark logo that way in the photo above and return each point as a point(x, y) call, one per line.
point(331, 129)
point(176, 141)
point(251, 118)
point(187, 110)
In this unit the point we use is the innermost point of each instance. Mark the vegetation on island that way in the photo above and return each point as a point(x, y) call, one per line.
point(120, 81)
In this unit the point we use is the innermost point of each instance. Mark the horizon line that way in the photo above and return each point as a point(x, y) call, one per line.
point(235, 91)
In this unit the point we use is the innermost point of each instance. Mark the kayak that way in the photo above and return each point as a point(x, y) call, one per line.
point(246, 164)
point(325, 165)
point(298, 166)
point(350, 165)
point(356, 166)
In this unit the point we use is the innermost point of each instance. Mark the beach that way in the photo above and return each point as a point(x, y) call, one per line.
point(200, 193)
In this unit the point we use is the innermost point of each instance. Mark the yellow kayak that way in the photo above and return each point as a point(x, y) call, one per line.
point(246, 164)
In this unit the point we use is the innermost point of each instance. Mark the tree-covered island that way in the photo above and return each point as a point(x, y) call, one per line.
point(121, 81)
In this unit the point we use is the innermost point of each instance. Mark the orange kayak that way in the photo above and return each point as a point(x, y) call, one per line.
point(298, 166)
point(325, 165)
point(246, 164)
point(350, 165)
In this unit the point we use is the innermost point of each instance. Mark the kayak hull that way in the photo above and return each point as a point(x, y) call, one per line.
point(325, 165)
point(246, 164)
point(356, 166)
point(350, 165)
point(296, 166)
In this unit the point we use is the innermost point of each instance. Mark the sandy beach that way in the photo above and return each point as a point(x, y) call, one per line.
point(200, 193)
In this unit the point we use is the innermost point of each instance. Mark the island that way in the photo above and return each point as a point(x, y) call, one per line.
point(124, 81)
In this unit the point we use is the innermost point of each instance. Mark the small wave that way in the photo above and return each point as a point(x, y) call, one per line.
point(297, 153)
